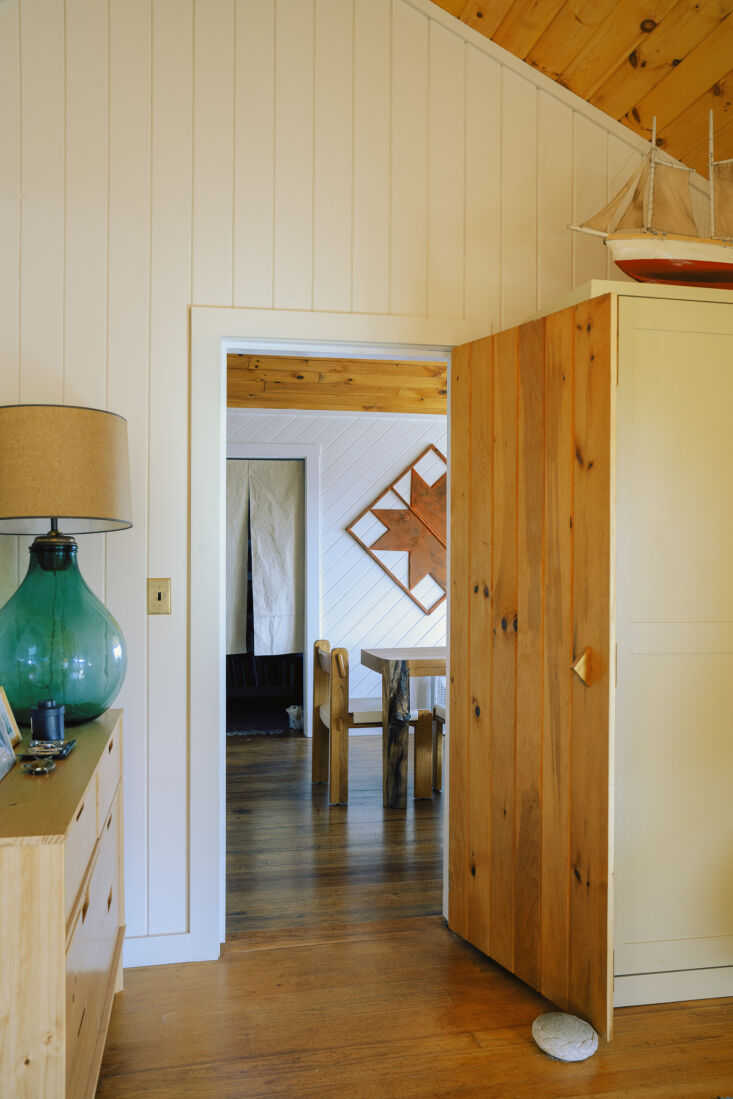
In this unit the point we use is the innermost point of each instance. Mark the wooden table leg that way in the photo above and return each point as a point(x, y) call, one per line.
point(395, 733)
point(422, 770)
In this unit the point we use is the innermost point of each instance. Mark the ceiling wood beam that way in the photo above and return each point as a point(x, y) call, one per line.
point(346, 385)
point(659, 54)
point(633, 59)
point(622, 31)
point(567, 34)
point(690, 80)
point(522, 25)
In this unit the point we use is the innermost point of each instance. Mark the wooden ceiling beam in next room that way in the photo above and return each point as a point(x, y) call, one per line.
point(337, 385)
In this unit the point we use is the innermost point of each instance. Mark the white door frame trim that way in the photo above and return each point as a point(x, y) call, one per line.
point(215, 332)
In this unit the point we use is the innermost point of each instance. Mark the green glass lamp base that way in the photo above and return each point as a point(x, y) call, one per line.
point(57, 640)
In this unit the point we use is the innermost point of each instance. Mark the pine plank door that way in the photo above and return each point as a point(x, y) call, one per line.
point(531, 644)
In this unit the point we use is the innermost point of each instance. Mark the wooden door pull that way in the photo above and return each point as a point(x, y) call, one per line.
point(582, 666)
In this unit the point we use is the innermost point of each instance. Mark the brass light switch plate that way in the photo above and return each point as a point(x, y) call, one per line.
point(159, 595)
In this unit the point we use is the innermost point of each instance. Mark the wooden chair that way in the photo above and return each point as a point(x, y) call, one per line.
point(334, 713)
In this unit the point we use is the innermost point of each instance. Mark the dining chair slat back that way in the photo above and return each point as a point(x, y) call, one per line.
point(334, 713)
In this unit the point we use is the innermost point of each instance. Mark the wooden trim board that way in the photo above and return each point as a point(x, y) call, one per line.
point(343, 385)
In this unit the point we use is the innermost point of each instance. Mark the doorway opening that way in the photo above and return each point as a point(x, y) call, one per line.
point(293, 860)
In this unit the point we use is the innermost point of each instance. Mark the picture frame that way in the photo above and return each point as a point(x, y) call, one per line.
point(7, 718)
point(9, 735)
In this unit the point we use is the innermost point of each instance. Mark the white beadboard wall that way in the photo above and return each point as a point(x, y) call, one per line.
point(360, 454)
point(361, 156)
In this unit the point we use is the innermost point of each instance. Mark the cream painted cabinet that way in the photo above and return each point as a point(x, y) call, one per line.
point(61, 916)
point(591, 648)
point(673, 910)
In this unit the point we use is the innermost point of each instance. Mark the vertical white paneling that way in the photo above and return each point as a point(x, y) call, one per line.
point(42, 173)
point(332, 176)
point(518, 199)
point(622, 160)
point(483, 188)
point(85, 299)
point(254, 148)
point(127, 356)
point(590, 170)
point(371, 138)
point(213, 163)
point(446, 164)
point(554, 198)
point(294, 154)
point(85, 374)
point(170, 288)
point(9, 246)
point(409, 129)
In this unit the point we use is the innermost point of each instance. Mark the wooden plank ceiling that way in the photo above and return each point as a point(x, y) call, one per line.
point(336, 385)
point(633, 59)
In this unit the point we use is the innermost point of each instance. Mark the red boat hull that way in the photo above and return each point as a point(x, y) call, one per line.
point(679, 272)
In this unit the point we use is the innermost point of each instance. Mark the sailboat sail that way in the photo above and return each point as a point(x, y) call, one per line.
point(672, 207)
point(629, 210)
point(723, 198)
point(625, 205)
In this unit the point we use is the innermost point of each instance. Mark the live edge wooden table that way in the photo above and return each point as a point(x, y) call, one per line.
point(395, 667)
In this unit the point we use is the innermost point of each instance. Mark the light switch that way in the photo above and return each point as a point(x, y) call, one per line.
point(159, 595)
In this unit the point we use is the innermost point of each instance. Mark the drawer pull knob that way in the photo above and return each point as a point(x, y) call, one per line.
point(81, 810)
point(109, 822)
point(110, 746)
point(81, 1022)
point(85, 909)
point(109, 900)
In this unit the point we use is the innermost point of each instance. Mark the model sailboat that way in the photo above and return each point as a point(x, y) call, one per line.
point(650, 229)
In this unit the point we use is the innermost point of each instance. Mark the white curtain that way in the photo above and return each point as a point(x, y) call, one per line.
point(275, 493)
point(237, 512)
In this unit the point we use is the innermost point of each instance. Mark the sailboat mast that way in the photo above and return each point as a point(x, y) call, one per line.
point(650, 203)
point(711, 179)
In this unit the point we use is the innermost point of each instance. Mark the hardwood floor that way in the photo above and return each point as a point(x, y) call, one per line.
point(317, 994)
point(401, 1008)
point(295, 861)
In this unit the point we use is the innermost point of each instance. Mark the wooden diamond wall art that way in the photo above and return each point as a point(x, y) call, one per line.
point(404, 530)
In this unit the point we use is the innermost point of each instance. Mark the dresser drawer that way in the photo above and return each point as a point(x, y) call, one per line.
point(90, 953)
point(108, 778)
point(105, 897)
point(80, 840)
point(82, 1015)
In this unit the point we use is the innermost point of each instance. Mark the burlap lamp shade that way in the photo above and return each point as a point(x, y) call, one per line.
point(62, 461)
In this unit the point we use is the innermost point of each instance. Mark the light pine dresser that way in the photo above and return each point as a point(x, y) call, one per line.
point(61, 916)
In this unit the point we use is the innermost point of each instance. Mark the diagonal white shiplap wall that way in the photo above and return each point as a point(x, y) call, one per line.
point(357, 156)
point(360, 454)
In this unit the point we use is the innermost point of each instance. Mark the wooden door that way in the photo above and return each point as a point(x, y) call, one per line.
point(532, 416)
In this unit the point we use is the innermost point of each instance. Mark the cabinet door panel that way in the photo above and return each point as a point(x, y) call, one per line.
point(675, 633)
point(532, 416)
